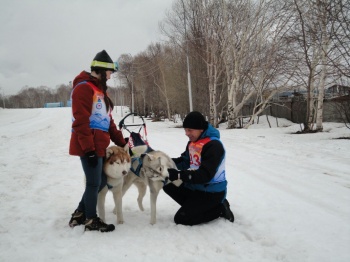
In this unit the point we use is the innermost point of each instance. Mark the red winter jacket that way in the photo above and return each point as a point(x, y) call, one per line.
point(83, 138)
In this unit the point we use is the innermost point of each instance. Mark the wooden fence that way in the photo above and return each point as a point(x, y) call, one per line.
point(295, 111)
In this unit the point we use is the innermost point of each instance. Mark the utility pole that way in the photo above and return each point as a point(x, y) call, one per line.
point(132, 99)
point(115, 91)
point(121, 99)
point(188, 63)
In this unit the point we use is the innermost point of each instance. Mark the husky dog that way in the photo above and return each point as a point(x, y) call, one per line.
point(153, 171)
point(116, 166)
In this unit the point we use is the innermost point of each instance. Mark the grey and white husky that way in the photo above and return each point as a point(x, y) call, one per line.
point(153, 172)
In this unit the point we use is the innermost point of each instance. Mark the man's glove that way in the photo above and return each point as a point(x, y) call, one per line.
point(175, 174)
point(92, 158)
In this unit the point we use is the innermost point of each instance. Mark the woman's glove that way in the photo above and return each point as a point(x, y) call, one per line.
point(92, 158)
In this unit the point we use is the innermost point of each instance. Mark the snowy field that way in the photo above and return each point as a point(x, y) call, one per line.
point(290, 195)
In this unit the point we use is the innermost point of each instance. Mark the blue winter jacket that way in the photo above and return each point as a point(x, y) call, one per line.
point(210, 175)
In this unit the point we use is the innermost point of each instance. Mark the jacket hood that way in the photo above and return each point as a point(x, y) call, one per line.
point(211, 132)
point(85, 76)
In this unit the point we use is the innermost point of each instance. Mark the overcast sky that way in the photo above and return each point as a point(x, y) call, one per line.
point(48, 42)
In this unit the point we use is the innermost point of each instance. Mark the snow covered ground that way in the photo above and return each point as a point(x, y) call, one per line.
point(290, 195)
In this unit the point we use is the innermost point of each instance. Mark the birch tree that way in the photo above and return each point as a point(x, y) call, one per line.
point(210, 20)
point(203, 21)
point(253, 61)
point(321, 39)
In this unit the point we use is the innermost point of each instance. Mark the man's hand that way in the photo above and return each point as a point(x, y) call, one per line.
point(174, 174)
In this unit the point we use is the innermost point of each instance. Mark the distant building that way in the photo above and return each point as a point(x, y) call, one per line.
point(55, 104)
point(285, 96)
point(337, 91)
point(58, 104)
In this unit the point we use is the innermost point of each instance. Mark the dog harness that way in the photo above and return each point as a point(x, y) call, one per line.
point(136, 140)
point(139, 164)
point(139, 159)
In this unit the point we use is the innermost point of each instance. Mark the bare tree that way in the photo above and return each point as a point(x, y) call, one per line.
point(3, 98)
point(126, 74)
point(173, 27)
point(63, 93)
point(255, 68)
point(321, 36)
point(339, 15)
point(159, 55)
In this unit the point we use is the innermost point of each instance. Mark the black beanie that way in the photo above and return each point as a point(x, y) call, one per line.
point(195, 120)
point(103, 61)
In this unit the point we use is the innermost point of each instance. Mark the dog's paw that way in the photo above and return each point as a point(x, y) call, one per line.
point(120, 222)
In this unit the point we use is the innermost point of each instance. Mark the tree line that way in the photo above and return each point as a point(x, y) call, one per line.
point(238, 52)
point(36, 97)
point(242, 52)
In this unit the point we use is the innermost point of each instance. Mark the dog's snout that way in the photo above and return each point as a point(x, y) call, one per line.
point(124, 172)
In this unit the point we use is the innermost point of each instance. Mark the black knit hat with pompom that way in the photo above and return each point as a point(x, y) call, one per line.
point(195, 120)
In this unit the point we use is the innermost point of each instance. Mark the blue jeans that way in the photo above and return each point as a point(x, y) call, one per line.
point(95, 181)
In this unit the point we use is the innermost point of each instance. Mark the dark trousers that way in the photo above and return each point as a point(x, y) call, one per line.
point(196, 206)
point(95, 180)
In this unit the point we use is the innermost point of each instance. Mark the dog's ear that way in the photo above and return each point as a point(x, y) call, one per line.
point(126, 148)
point(139, 150)
point(150, 157)
point(109, 152)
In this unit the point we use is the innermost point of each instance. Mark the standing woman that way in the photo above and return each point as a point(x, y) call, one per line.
point(92, 129)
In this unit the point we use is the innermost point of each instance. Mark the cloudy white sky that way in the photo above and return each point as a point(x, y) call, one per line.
point(48, 42)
